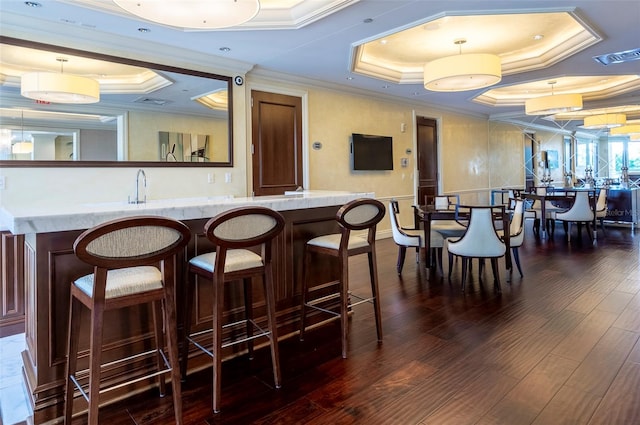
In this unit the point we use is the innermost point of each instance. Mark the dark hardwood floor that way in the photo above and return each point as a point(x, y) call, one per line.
point(558, 346)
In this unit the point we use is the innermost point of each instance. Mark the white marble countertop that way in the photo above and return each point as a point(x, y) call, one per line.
point(25, 219)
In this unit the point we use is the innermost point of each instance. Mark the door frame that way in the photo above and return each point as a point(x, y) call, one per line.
point(304, 96)
point(416, 179)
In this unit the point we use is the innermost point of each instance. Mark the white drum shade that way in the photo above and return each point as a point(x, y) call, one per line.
point(59, 88)
point(462, 72)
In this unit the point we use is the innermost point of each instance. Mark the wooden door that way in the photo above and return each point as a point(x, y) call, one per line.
point(427, 159)
point(276, 143)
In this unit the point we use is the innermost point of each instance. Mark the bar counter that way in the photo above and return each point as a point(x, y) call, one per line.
point(50, 266)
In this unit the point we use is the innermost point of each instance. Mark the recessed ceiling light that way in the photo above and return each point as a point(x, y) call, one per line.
point(538, 37)
point(384, 41)
point(225, 49)
point(144, 30)
point(368, 20)
point(349, 78)
point(32, 4)
point(386, 86)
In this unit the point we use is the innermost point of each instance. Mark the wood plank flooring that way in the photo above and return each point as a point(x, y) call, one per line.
point(558, 346)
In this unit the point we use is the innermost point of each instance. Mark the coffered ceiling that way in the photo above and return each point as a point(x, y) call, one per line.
point(380, 46)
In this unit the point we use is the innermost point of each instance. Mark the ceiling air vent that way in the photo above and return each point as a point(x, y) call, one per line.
point(152, 101)
point(619, 57)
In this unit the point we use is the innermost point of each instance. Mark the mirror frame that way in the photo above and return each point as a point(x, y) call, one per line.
point(133, 62)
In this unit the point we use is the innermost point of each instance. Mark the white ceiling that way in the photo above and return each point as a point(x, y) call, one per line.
point(320, 48)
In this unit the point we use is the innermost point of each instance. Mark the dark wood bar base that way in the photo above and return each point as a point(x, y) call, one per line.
point(52, 265)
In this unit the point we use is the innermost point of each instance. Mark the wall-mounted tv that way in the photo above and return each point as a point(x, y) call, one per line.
point(369, 152)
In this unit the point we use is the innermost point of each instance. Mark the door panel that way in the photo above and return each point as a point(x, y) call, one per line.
point(427, 159)
point(277, 143)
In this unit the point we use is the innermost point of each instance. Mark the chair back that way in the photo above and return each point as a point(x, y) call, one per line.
point(399, 236)
point(244, 227)
point(360, 214)
point(581, 210)
point(481, 239)
point(516, 227)
point(601, 203)
point(131, 241)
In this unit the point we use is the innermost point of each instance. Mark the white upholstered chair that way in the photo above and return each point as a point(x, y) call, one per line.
point(535, 211)
point(412, 238)
point(516, 232)
point(581, 212)
point(480, 240)
point(602, 207)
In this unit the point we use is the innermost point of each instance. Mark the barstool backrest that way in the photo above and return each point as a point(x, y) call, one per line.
point(360, 214)
point(131, 241)
point(244, 227)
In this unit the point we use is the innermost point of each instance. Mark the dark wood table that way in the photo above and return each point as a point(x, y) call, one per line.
point(427, 213)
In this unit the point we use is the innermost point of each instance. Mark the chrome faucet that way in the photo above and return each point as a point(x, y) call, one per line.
point(137, 199)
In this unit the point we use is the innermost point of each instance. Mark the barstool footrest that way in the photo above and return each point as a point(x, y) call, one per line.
point(84, 373)
point(261, 333)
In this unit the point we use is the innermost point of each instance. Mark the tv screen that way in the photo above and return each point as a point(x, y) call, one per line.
point(369, 152)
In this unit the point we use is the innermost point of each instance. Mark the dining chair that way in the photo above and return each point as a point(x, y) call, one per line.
point(357, 215)
point(516, 232)
point(480, 240)
point(535, 211)
point(412, 238)
point(134, 263)
point(237, 234)
point(602, 207)
point(580, 212)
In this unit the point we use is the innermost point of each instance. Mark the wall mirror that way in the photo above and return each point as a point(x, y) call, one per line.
point(147, 114)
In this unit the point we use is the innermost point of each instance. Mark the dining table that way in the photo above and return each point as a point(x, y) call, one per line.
point(426, 214)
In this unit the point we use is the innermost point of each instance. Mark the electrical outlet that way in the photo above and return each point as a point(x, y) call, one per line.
point(227, 177)
point(3, 182)
point(211, 178)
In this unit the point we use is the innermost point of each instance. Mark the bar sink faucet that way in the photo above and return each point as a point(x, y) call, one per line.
point(138, 199)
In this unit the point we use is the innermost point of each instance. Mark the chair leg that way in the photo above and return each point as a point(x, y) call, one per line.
point(272, 323)
point(536, 226)
point(95, 358)
point(450, 265)
point(303, 304)
point(186, 325)
point(248, 313)
point(516, 259)
point(402, 252)
point(496, 274)
point(464, 271)
point(417, 255)
point(156, 308)
point(439, 255)
point(373, 274)
point(218, 306)
point(344, 301)
point(170, 320)
point(604, 233)
point(72, 356)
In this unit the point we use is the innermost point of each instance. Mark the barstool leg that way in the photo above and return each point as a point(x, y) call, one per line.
point(248, 312)
point(303, 304)
point(218, 306)
point(159, 337)
point(373, 274)
point(72, 356)
point(344, 301)
point(186, 325)
point(95, 358)
point(170, 325)
point(273, 328)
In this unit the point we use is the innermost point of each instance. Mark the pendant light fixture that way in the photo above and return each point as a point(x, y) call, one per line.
point(625, 129)
point(193, 14)
point(22, 144)
point(59, 87)
point(596, 122)
point(554, 103)
point(462, 72)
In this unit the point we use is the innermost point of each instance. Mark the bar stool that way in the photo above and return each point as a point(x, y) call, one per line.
point(134, 261)
point(233, 232)
point(360, 214)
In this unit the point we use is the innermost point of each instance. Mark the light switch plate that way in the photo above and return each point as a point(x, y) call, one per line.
point(3, 182)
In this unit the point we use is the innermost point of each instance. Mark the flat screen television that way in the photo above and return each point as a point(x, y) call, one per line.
point(370, 152)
